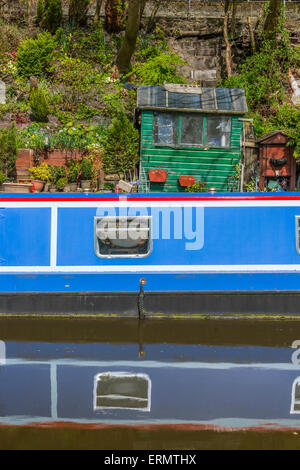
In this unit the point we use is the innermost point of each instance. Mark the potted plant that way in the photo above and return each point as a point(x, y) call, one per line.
point(61, 183)
point(73, 174)
point(57, 173)
point(86, 173)
point(40, 175)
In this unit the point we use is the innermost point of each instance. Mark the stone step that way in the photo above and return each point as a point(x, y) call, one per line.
point(207, 75)
point(204, 63)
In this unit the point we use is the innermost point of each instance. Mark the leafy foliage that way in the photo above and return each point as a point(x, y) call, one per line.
point(2, 177)
point(61, 183)
point(86, 169)
point(74, 170)
point(8, 150)
point(198, 187)
point(78, 12)
point(35, 56)
point(51, 15)
point(39, 105)
point(120, 146)
point(41, 172)
point(159, 69)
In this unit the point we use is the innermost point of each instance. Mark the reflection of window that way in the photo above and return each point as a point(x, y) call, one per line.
point(191, 129)
point(218, 131)
point(297, 221)
point(122, 390)
point(165, 128)
point(295, 404)
point(123, 236)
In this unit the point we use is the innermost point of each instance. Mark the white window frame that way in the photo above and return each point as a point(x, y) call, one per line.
point(127, 375)
point(111, 218)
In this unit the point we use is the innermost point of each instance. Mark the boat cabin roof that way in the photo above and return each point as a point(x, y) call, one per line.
point(173, 97)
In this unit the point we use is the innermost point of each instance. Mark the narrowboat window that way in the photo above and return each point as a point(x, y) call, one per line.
point(295, 404)
point(165, 128)
point(191, 129)
point(123, 237)
point(218, 131)
point(297, 221)
point(122, 390)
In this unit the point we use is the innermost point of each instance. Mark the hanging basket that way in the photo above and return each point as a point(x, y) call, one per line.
point(186, 181)
point(157, 176)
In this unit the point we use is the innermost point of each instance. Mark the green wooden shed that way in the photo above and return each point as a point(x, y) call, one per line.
point(189, 131)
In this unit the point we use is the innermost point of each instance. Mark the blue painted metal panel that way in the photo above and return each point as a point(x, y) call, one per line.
point(25, 236)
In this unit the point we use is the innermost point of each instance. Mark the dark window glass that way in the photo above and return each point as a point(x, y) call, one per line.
point(165, 128)
point(191, 129)
point(218, 131)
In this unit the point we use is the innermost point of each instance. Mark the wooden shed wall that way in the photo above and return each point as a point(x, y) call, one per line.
point(213, 166)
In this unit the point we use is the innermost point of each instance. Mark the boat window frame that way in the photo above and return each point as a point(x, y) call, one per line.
point(127, 375)
point(132, 256)
point(297, 230)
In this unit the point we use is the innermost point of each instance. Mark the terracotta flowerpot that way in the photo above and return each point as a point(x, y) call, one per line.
point(38, 185)
point(186, 181)
point(157, 176)
point(17, 187)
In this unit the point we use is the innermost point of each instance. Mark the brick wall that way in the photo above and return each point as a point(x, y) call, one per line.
point(57, 157)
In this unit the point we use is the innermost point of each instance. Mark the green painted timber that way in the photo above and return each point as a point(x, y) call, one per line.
point(215, 166)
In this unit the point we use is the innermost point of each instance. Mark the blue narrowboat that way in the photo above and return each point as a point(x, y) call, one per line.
point(150, 254)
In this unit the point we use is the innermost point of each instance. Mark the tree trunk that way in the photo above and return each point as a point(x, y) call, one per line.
point(233, 18)
point(127, 49)
point(114, 15)
point(251, 32)
point(98, 9)
point(272, 18)
point(227, 42)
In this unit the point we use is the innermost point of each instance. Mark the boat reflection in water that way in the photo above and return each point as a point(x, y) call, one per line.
point(194, 375)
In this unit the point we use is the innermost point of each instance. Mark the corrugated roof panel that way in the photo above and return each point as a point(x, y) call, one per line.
point(238, 100)
point(208, 99)
point(184, 100)
point(151, 96)
point(223, 99)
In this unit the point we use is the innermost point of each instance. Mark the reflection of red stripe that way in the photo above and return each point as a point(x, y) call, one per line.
point(155, 427)
point(159, 198)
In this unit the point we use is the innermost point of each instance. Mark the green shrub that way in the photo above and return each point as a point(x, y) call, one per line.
point(160, 69)
point(52, 15)
point(198, 187)
point(86, 169)
point(73, 172)
point(8, 150)
point(35, 56)
point(61, 183)
point(39, 105)
point(77, 77)
point(57, 173)
point(41, 172)
point(2, 177)
point(120, 146)
point(40, 11)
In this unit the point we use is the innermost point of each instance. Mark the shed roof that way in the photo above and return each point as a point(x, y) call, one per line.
point(192, 98)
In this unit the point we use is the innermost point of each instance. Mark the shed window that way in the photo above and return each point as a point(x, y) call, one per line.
point(297, 221)
point(191, 129)
point(123, 237)
point(218, 130)
point(165, 128)
point(122, 390)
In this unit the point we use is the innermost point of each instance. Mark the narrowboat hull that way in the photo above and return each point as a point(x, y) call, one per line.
point(225, 254)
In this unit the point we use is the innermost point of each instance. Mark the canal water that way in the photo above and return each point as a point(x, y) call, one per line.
point(155, 384)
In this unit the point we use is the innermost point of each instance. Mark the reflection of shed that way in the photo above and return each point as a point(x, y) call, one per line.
point(190, 131)
point(276, 161)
